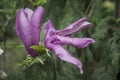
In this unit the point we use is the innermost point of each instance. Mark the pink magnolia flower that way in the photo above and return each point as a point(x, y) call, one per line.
point(55, 39)
point(28, 25)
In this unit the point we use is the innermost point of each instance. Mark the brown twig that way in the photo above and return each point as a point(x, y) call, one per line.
point(117, 8)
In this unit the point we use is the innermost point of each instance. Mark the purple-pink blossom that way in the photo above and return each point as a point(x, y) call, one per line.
point(55, 39)
point(28, 25)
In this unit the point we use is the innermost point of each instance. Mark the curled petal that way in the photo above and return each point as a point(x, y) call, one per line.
point(21, 21)
point(23, 31)
point(77, 42)
point(77, 22)
point(49, 29)
point(37, 16)
point(75, 27)
point(35, 24)
point(29, 13)
point(61, 52)
point(65, 56)
point(49, 41)
point(22, 27)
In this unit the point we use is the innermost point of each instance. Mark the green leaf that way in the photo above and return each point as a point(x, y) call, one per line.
point(39, 2)
point(39, 49)
point(20, 46)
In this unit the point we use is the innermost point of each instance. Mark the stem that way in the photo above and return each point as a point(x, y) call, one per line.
point(3, 56)
point(47, 53)
point(117, 8)
point(54, 68)
point(89, 7)
point(39, 59)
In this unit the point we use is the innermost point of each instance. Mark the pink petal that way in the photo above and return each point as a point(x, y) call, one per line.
point(35, 24)
point(63, 54)
point(22, 27)
point(29, 13)
point(23, 31)
point(49, 29)
point(37, 16)
point(77, 42)
point(75, 27)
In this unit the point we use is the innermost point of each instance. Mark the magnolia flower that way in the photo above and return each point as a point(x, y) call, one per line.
point(1, 51)
point(28, 25)
point(54, 40)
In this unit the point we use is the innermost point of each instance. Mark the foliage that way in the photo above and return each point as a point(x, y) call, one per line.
point(108, 49)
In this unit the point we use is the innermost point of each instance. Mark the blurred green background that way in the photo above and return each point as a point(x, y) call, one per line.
point(101, 60)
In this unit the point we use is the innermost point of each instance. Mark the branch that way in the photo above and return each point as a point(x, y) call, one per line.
point(117, 8)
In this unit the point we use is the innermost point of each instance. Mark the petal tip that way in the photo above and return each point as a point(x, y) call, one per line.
point(93, 41)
